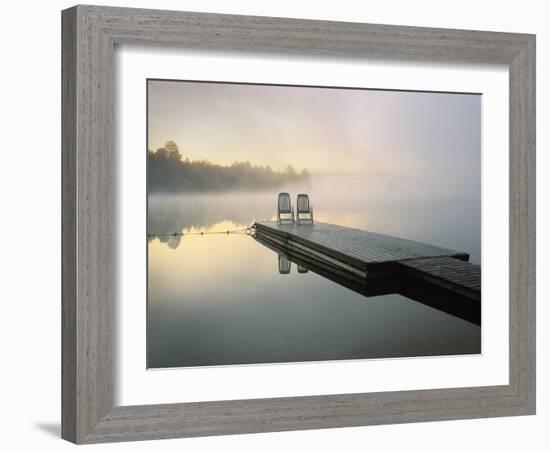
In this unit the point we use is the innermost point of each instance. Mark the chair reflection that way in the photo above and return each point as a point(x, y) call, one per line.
point(284, 264)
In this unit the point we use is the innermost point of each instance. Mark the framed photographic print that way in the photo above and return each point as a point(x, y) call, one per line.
point(291, 147)
point(279, 224)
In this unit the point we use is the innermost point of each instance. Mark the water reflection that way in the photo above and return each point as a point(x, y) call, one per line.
point(219, 299)
point(379, 284)
point(172, 240)
point(168, 214)
point(284, 264)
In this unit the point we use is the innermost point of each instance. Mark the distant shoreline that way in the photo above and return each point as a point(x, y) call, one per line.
point(168, 172)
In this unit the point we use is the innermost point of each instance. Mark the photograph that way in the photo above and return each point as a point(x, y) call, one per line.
point(295, 224)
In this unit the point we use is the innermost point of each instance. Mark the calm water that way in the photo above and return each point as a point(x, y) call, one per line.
point(219, 299)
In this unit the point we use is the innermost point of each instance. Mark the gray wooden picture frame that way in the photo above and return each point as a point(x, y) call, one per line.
point(90, 34)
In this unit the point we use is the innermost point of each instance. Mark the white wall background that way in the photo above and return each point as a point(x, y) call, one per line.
point(30, 225)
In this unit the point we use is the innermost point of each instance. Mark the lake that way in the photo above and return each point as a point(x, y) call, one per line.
point(219, 299)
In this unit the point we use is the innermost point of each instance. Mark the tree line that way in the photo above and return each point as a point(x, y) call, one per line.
point(168, 172)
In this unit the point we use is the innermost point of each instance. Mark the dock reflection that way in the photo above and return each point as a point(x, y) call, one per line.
point(376, 284)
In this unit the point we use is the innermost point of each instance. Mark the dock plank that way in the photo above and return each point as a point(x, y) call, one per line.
point(356, 245)
point(451, 273)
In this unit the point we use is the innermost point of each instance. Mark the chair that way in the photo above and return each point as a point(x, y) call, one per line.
point(285, 211)
point(303, 208)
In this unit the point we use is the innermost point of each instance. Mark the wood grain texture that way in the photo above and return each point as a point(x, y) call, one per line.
point(88, 207)
point(363, 249)
point(68, 226)
point(451, 273)
point(89, 36)
point(523, 225)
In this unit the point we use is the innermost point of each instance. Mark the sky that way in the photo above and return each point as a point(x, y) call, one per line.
point(336, 131)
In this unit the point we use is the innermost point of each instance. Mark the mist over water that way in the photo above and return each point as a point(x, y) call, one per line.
point(219, 299)
point(352, 200)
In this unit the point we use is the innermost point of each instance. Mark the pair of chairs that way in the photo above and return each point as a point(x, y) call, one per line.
point(285, 210)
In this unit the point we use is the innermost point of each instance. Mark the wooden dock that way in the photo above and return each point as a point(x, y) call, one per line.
point(353, 256)
point(450, 273)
